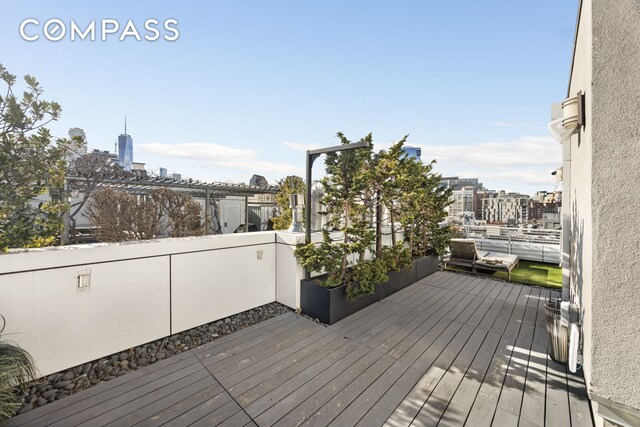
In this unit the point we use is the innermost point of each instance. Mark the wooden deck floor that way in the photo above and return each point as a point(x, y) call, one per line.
point(449, 350)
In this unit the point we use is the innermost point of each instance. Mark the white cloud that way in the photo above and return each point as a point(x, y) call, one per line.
point(527, 125)
point(522, 163)
point(524, 151)
point(508, 177)
point(197, 150)
point(300, 147)
point(239, 159)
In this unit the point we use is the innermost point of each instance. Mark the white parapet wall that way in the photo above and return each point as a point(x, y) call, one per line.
point(61, 325)
point(226, 275)
point(137, 292)
point(289, 271)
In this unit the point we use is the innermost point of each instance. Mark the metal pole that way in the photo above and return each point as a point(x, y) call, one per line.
point(307, 200)
point(307, 205)
point(246, 214)
point(64, 237)
point(207, 211)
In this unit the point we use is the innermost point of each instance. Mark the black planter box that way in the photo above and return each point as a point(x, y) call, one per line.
point(398, 280)
point(330, 305)
point(425, 266)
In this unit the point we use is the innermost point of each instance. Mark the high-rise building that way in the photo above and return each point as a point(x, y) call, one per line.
point(125, 149)
point(456, 183)
point(478, 197)
point(79, 133)
point(414, 152)
point(506, 208)
point(537, 209)
point(163, 172)
point(462, 202)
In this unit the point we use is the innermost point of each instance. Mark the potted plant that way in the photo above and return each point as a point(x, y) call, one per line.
point(411, 195)
point(361, 191)
point(16, 368)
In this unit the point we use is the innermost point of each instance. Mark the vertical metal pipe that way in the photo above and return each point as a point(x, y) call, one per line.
point(207, 211)
point(565, 236)
point(307, 201)
point(307, 205)
point(246, 214)
point(66, 219)
point(378, 224)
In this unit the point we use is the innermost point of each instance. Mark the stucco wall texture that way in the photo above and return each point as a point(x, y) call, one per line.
point(610, 276)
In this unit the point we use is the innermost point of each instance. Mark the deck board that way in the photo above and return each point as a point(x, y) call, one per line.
point(322, 406)
point(533, 401)
point(286, 368)
point(450, 350)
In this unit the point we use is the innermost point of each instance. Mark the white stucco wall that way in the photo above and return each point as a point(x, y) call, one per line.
point(615, 194)
point(605, 164)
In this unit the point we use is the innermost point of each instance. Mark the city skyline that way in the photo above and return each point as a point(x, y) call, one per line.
point(166, 171)
point(239, 94)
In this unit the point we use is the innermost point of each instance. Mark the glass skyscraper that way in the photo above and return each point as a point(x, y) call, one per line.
point(414, 152)
point(125, 149)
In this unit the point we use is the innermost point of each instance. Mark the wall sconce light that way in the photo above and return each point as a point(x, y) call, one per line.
point(573, 112)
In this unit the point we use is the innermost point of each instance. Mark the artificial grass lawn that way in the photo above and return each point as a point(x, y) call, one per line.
point(528, 272)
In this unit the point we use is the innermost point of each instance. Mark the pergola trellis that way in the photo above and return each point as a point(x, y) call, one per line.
point(142, 185)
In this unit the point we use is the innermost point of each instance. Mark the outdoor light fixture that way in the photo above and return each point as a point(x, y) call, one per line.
point(573, 112)
point(296, 203)
point(557, 174)
point(312, 155)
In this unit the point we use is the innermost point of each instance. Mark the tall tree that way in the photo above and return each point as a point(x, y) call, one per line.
point(32, 162)
point(344, 185)
point(386, 176)
point(422, 208)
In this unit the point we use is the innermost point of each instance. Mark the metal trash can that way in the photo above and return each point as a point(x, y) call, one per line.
point(557, 331)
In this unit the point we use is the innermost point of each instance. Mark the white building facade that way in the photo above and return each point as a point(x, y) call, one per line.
point(506, 208)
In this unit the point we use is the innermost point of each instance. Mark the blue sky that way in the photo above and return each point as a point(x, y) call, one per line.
point(249, 85)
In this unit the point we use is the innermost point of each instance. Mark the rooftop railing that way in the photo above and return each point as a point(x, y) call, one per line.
point(539, 245)
point(515, 234)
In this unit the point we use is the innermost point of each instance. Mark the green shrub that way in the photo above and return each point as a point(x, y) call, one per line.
point(358, 186)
